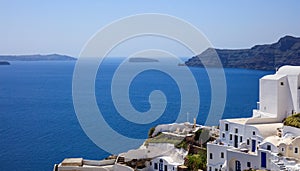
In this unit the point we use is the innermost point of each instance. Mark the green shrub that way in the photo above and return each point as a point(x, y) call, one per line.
point(183, 144)
point(293, 120)
point(196, 161)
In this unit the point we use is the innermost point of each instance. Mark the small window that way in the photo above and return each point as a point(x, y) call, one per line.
point(281, 83)
point(230, 136)
point(223, 135)
point(155, 166)
point(296, 150)
point(226, 127)
point(216, 169)
point(210, 156)
point(253, 133)
point(248, 164)
point(268, 147)
point(282, 149)
point(248, 142)
point(241, 139)
point(166, 168)
point(222, 155)
point(236, 130)
point(210, 169)
point(150, 163)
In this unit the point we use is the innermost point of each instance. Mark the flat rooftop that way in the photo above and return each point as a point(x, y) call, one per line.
point(266, 129)
point(238, 120)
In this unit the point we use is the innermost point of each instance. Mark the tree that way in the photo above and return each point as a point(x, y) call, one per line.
point(196, 161)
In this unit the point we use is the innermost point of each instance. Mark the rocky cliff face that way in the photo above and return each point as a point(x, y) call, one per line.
point(264, 57)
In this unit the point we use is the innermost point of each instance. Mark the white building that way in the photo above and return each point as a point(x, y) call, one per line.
point(279, 93)
point(176, 128)
point(164, 163)
point(80, 164)
point(161, 156)
point(255, 142)
point(154, 156)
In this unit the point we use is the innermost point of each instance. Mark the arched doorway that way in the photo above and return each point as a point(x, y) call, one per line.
point(235, 165)
point(238, 166)
point(160, 165)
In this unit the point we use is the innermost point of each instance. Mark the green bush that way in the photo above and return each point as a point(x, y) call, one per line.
point(293, 120)
point(183, 144)
point(196, 161)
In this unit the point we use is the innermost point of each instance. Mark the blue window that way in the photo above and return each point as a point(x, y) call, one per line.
point(226, 127)
point(253, 146)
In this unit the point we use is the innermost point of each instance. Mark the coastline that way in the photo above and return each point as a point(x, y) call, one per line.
point(170, 143)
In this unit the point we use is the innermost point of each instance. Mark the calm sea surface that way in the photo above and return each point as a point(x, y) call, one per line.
point(39, 127)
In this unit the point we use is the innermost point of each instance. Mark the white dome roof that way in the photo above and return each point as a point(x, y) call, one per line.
point(289, 70)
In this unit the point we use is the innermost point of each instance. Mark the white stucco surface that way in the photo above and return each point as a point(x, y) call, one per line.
point(247, 140)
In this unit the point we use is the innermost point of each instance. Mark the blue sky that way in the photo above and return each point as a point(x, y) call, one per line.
point(32, 26)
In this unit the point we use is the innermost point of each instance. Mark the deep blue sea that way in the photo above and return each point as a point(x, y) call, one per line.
point(39, 127)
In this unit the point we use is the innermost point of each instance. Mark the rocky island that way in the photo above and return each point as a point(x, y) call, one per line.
point(4, 63)
point(38, 57)
point(142, 59)
point(262, 57)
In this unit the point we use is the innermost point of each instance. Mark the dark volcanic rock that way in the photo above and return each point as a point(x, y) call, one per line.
point(4, 63)
point(265, 57)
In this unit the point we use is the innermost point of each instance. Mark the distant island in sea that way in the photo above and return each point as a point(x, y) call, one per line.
point(37, 57)
point(4, 63)
point(261, 57)
point(142, 59)
point(286, 51)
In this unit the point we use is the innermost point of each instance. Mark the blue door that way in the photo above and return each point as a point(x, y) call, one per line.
point(238, 166)
point(263, 160)
point(160, 165)
point(253, 146)
point(236, 141)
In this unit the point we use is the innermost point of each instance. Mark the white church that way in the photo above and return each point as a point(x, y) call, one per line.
point(262, 141)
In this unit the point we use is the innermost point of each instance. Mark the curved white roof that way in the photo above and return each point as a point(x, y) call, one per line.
point(267, 129)
point(289, 70)
point(275, 140)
